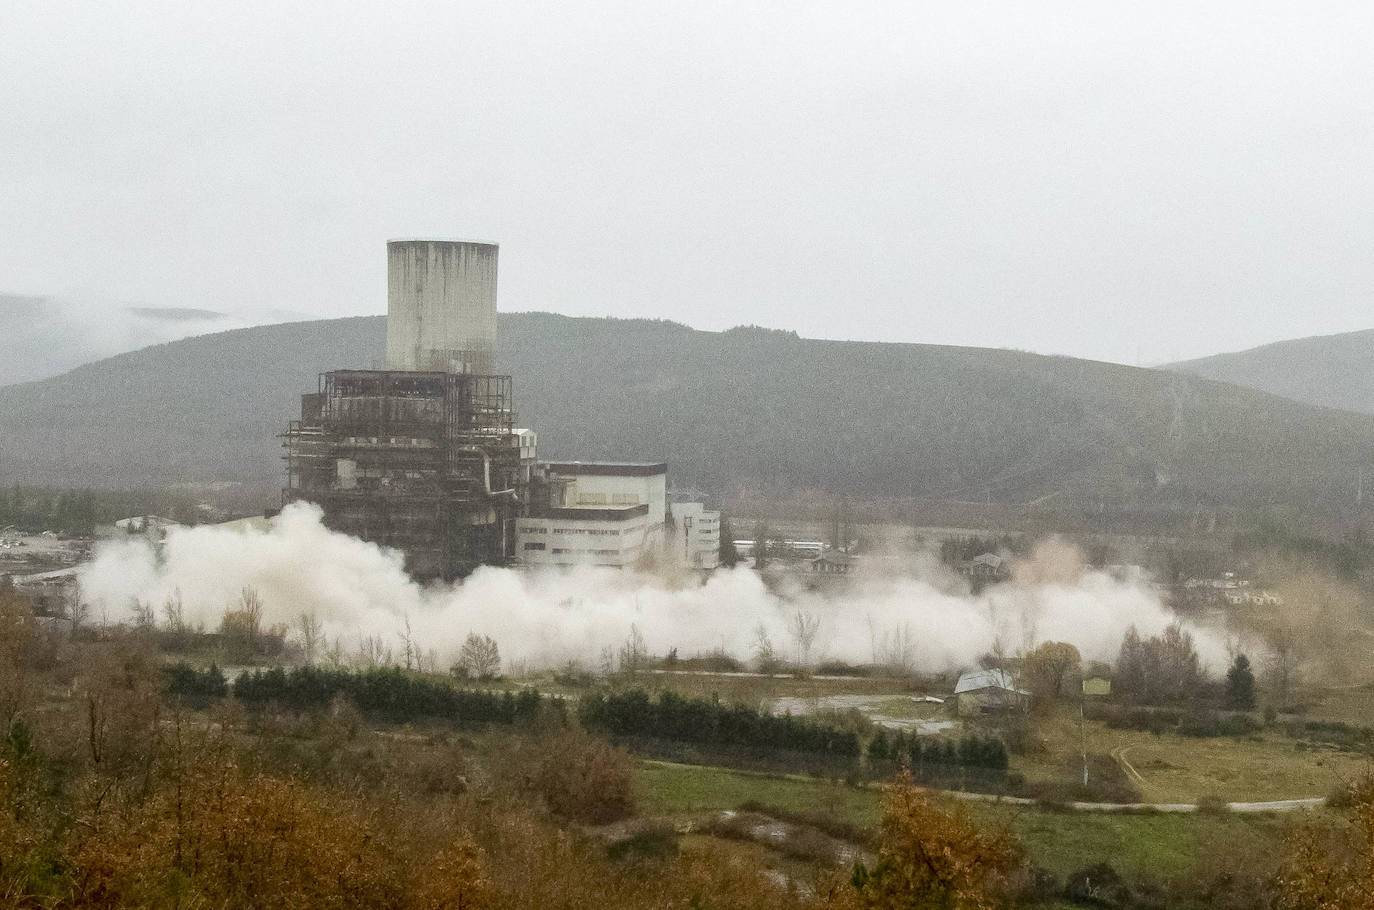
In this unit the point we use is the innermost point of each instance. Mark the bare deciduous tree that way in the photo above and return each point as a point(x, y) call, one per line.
point(634, 654)
point(408, 645)
point(803, 628)
point(764, 651)
point(893, 648)
point(250, 608)
point(479, 658)
point(373, 652)
point(174, 615)
point(1282, 670)
point(78, 612)
point(144, 617)
point(334, 654)
point(310, 632)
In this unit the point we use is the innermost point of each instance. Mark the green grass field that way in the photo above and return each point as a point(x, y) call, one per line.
point(668, 789)
point(1154, 846)
point(1140, 846)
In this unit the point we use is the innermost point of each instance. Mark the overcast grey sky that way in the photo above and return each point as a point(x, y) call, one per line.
point(1127, 181)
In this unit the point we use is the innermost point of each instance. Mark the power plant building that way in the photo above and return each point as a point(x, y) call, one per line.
point(424, 457)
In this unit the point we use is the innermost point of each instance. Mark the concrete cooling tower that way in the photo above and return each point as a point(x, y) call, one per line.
point(441, 306)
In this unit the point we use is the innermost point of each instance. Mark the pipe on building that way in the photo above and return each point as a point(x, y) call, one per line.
point(486, 472)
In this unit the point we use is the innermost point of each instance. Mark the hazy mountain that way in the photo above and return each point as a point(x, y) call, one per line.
point(1336, 371)
point(41, 337)
point(744, 409)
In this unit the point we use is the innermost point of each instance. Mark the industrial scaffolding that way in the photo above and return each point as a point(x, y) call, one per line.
point(424, 462)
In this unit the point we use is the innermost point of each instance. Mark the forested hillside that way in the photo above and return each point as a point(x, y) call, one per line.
point(1335, 371)
point(747, 409)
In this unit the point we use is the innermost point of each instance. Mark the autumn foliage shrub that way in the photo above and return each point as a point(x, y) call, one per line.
point(1326, 870)
point(213, 836)
point(585, 779)
point(931, 856)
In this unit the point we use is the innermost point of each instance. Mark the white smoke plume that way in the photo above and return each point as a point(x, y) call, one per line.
point(547, 618)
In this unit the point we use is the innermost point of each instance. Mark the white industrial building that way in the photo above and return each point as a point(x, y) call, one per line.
point(593, 512)
point(696, 535)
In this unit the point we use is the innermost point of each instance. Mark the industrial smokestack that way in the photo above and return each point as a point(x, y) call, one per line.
point(441, 306)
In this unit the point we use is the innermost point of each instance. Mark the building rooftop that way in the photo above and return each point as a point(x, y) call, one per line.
point(441, 240)
point(609, 468)
point(987, 679)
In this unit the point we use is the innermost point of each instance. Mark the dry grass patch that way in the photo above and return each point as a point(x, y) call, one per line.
point(1175, 768)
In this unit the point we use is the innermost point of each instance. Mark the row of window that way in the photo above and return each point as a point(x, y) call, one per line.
point(388, 441)
point(600, 499)
point(629, 529)
point(539, 545)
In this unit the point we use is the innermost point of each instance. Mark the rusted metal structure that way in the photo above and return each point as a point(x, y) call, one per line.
point(423, 462)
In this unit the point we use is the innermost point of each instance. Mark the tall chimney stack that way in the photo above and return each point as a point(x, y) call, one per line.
point(441, 306)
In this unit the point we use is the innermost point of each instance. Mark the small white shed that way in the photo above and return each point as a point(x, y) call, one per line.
point(989, 692)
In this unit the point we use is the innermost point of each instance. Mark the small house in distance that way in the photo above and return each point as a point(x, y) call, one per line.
point(834, 563)
point(989, 692)
point(985, 569)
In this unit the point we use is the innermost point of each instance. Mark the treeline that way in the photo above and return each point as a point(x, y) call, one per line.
point(36, 509)
point(78, 512)
point(1158, 670)
point(386, 692)
point(936, 757)
point(710, 723)
point(1349, 556)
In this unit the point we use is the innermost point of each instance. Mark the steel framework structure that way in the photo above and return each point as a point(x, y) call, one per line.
point(423, 462)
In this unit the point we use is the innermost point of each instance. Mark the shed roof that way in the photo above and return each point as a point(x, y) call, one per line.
point(987, 679)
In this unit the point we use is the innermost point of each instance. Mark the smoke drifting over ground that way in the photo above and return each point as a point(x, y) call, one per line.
point(926, 617)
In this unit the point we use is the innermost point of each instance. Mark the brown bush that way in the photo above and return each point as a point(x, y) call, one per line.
point(212, 836)
point(931, 856)
point(121, 698)
point(455, 879)
point(1328, 870)
point(585, 779)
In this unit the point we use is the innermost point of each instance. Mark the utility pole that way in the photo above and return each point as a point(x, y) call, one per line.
point(1083, 736)
point(1090, 686)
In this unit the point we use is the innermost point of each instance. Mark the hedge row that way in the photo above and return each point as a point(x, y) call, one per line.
point(985, 753)
point(386, 692)
point(184, 679)
point(673, 717)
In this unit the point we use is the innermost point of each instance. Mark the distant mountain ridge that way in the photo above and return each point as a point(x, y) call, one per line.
point(43, 336)
point(1334, 371)
point(746, 409)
